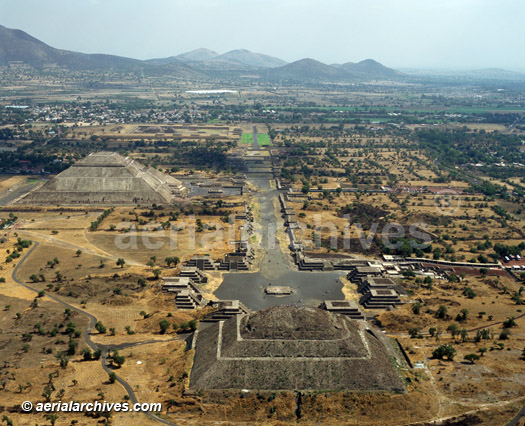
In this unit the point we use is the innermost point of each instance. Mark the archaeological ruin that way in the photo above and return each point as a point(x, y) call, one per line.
point(107, 178)
point(287, 347)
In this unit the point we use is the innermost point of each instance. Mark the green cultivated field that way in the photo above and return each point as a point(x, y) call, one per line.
point(247, 138)
point(262, 139)
point(456, 110)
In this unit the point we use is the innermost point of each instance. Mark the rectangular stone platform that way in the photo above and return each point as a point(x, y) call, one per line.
point(344, 307)
point(278, 290)
point(380, 299)
point(376, 283)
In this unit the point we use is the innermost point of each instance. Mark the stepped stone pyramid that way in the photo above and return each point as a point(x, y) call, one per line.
point(287, 347)
point(110, 179)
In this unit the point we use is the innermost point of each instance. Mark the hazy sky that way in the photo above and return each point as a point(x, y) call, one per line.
point(398, 33)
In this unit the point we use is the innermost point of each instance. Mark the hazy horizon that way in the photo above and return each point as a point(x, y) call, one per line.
point(444, 34)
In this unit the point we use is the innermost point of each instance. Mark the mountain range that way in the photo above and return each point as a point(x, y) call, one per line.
point(16, 46)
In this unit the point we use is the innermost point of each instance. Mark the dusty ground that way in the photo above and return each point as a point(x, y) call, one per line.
point(490, 391)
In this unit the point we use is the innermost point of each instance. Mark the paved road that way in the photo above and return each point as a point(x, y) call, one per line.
point(87, 337)
point(516, 419)
point(276, 267)
point(16, 192)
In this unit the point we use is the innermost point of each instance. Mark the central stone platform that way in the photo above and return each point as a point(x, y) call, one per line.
point(278, 290)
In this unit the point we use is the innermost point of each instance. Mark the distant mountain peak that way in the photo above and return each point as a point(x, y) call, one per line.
point(369, 61)
point(201, 54)
point(18, 46)
point(247, 57)
point(307, 69)
point(370, 68)
point(312, 70)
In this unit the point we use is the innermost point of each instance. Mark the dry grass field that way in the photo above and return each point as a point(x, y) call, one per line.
point(129, 303)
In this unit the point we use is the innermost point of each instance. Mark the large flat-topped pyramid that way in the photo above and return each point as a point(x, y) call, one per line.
point(293, 348)
point(110, 179)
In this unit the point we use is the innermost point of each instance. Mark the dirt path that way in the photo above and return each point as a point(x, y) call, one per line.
point(87, 337)
point(61, 243)
point(480, 407)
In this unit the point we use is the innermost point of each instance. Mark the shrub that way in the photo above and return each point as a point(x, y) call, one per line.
point(164, 325)
point(471, 357)
point(441, 312)
point(444, 351)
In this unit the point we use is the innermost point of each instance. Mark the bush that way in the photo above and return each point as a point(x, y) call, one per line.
point(193, 325)
point(100, 327)
point(467, 291)
point(509, 322)
point(504, 335)
point(416, 308)
point(441, 312)
point(413, 332)
point(86, 354)
point(444, 351)
point(118, 359)
point(471, 357)
point(164, 325)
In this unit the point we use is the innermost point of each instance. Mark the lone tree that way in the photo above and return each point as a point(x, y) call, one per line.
point(509, 322)
point(462, 316)
point(79, 252)
point(86, 354)
point(441, 312)
point(118, 359)
point(52, 418)
point(172, 260)
point(193, 325)
point(467, 291)
point(453, 329)
point(100, 327)
point(121, 262)
point(112, 377)
point(164, 325)
point(413, 332)
point(504, 335)
point(444, 351)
